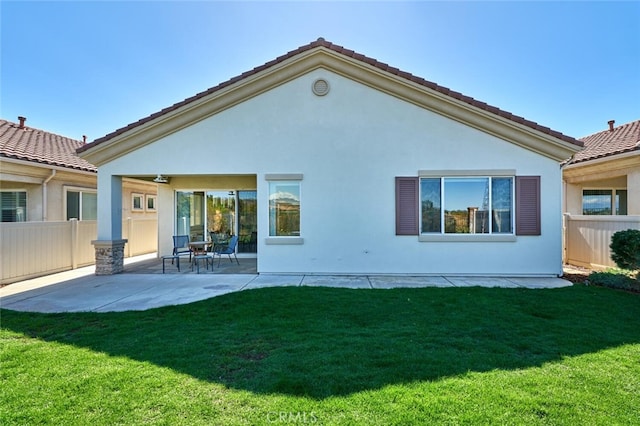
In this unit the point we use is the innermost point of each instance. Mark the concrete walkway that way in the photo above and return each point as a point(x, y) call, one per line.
point(80, 290)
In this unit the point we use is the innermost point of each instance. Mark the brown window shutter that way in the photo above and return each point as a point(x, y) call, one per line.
point(528, 205)
point(407, 206)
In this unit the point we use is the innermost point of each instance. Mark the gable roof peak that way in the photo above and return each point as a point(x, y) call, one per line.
point(321, 42)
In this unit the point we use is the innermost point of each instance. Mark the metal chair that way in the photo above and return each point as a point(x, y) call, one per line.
point(229, 250)
point(181, 246)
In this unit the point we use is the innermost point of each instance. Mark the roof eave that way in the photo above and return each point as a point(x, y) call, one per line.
point(368, 72)
point(49, 166)
point(604, 159)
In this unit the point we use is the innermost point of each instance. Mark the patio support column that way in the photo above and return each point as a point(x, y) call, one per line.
point(110, 245)
point(633, 189)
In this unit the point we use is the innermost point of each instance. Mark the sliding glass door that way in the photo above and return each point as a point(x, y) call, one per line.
point(247, 221)
point(190, 215)
point(217, 215)
point(221, 215)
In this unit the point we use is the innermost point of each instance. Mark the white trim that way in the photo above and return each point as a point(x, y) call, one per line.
point(283, 176)
point(603, 217)
point(468, 238)
point(281, 241)
point(468, 173)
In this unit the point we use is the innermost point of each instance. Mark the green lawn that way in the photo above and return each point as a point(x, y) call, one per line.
point(303, 355)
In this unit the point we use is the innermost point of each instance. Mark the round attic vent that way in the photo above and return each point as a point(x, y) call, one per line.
point(320, 87)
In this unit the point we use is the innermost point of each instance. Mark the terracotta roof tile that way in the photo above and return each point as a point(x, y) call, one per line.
point(321, 42)
point(41, 147)
point(624, 138)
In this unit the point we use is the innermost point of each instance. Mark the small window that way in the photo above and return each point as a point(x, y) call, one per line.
point(604, 202)
point(151, 203)
point(13, 205)
point(81, 204)
point(284, 209)
point(137, 201)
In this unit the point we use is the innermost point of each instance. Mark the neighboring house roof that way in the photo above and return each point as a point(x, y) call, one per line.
point(616, 140)
point(37, 146)
point(364, 61)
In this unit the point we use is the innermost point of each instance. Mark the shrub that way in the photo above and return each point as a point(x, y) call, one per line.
point(625, 249)
point(615, 278)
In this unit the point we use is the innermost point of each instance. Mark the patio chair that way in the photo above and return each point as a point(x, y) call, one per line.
point(229, 250)
point(181, 246)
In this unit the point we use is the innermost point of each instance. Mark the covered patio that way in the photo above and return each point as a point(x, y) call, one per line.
point(245, 265)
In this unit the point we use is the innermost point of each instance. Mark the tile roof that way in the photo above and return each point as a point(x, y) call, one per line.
point(41, 147)
point(320, 42)
point(621, 139)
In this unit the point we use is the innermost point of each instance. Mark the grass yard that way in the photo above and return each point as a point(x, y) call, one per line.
point(302, 355)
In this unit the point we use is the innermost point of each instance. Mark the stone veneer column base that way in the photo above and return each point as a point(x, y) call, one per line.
point(109, 256)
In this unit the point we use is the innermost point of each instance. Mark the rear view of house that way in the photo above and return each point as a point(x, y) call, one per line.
point(338, 163)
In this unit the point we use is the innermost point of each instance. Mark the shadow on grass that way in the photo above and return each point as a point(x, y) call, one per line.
point(320, 342)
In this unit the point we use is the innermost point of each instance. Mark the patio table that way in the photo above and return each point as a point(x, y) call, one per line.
point(199, 247)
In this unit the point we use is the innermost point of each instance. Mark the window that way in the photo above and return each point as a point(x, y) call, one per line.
point(467, 205)
point(604, 201)
point(151, 203)
point(13, 205)
point(82, 204)
point(444, 205)
point(284, 209)
point(137, 201)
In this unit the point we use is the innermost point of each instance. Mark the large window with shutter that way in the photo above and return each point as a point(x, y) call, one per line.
point(438, 204)
point(13, 206)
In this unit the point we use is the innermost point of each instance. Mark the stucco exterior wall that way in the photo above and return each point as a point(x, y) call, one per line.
point(349, 145)
point(22, 176)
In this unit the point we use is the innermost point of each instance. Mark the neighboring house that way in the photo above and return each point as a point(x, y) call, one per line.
point(43, 179)
point(341, 164)
point(604, 178)
point(602, 194)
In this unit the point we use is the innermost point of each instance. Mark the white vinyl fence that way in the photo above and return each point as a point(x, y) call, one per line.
point(33, 249)
point(587, 238)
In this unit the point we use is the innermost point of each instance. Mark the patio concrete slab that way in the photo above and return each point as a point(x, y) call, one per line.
point(342, 281)
point(408, 282)
point(80, 290)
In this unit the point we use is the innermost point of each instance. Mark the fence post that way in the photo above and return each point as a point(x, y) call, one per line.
point(74, 243)
point(566, 217)
point(129, 235)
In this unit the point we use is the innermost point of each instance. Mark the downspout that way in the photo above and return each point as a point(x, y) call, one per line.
point(44, 195)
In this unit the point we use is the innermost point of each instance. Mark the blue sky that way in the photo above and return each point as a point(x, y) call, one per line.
point(92, 67)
